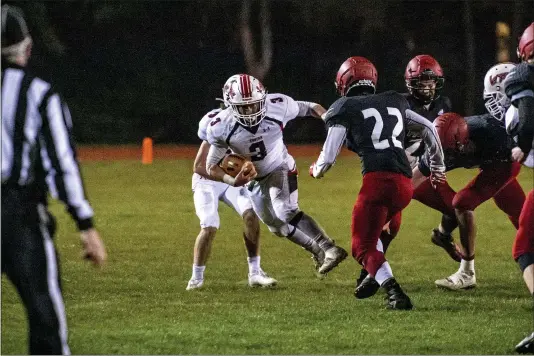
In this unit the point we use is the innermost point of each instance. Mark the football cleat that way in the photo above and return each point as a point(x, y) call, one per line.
point(318, 260)
point(261, 279)
point(194, 284)
point(367, 288)
point(526, 346)
point(363, 274)
point(333, 256)
point(395, 296)
point(446, 242)
point(457, 281)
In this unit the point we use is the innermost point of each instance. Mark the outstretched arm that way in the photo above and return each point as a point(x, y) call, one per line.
point(334, 141)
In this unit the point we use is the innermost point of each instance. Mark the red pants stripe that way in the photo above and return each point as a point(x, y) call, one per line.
point(524, 240)
point(382, 196)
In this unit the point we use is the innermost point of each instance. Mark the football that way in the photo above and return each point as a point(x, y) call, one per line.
point(232, 163)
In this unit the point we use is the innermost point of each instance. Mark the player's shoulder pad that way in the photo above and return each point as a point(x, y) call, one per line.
point(446, 103)
point(519, 79)
point(278, 105)
point(337, 108)
point(205, 121)
point(220, 126)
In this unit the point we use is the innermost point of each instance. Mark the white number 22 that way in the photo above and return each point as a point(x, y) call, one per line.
point(379, 126)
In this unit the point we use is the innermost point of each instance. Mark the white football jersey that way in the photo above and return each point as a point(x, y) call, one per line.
point(264, 143)
point(203, 124)
point(512, 124)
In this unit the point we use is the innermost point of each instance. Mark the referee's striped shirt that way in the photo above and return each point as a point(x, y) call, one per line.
point(37, 145)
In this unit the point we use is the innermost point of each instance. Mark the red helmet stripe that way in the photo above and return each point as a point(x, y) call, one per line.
point(246, 87)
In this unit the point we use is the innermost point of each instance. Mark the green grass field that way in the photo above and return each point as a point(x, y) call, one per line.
point(138, 304)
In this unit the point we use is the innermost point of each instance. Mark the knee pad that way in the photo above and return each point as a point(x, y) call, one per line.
point(525, 260)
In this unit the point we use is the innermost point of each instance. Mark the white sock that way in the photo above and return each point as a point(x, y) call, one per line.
point(253, 264)
point(198, 272)
point(467, 266)
point(384, 273)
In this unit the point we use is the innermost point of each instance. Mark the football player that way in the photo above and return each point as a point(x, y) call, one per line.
point(206, 195)
point(252, 125)
point(475, 142)
point(519, 87)
point(374, 127)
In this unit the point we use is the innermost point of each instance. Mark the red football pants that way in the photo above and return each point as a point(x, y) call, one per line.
point(524, 240)
point(382, 196)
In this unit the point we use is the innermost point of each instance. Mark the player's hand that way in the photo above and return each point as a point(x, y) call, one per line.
point(437, 178)
point(246, 174)
point(312, 169)
point(517, 154)
point(93, 247)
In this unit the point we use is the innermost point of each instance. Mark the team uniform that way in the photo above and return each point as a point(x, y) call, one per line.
point(518, 84)
point(207, 193)
point(273, 193)
point(374, 127)
point(414, 146)
point(497, 177)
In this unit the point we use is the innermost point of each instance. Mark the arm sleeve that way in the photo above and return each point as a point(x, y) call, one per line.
point(525, 135)
point(305, 108)
point(334, 141)
point(65, 181)
point(430, 138)
point(215, 155)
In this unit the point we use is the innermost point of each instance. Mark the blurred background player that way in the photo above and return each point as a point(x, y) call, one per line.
point(519, 87)
point(374, 127)
point(206, 195)
point(252, 126)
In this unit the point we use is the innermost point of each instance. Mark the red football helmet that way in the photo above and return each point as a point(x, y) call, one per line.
point(356, 72)
point(452, 131)
point(525, 49)
point(424, 78)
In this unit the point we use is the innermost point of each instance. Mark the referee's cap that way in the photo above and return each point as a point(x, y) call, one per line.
point(14, 28)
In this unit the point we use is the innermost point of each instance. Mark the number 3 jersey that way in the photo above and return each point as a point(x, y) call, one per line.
point(375, 130)
point(263, 143)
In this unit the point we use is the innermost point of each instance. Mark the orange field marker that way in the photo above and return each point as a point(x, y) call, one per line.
point(148, 153)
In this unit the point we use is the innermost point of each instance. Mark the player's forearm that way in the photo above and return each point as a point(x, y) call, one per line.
point(199, 167)
point(332, 146)
point(214, 172)
point(307, 108)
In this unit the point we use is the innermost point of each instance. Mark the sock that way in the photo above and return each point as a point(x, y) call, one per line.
point(300, 238)
point(198, 272)
point(310, 227)
point(384, 273)
point(467, 266)
point(380, 246)
point(253, 265)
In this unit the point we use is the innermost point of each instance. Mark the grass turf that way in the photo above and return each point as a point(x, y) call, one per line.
point(138, 304)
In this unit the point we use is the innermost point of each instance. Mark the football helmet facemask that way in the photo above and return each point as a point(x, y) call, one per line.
point(495, 98)
point(424, 78)
point(246, 96)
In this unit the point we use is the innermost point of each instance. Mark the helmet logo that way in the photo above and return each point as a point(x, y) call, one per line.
point(498, 77)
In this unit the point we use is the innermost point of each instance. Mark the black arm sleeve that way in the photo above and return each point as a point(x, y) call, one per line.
point(525, 136)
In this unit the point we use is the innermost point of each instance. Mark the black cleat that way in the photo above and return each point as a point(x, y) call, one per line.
point(363, 274)
point(526, 346)
point(395, 296)
point(367, 288)
point(446, 242)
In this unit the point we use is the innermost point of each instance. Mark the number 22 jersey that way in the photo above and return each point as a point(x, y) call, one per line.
point(263, 143)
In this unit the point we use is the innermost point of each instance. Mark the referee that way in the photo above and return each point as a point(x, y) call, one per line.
point(38, 157)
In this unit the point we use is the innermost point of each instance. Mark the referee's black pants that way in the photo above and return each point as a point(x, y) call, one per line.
point(30, 261)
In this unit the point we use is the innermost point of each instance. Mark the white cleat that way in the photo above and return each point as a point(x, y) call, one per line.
point(261, 279)
point(457, 281)
point(332, 257)
point(194, 284)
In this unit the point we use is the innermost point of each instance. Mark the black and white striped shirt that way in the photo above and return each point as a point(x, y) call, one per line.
point(37, 146)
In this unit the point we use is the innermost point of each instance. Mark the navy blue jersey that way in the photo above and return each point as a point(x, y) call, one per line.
point(441, 105)
point(375, 130)
point(489, 143)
